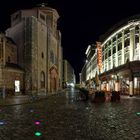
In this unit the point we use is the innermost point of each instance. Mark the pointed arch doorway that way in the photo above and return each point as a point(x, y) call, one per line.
point(53, 79)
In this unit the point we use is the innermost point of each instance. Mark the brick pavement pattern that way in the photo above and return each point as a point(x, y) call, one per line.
point(61, 117)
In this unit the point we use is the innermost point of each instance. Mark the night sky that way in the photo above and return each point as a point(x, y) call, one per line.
point(81, 22)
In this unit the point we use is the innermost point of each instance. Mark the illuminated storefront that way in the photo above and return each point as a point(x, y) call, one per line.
point(119, 68)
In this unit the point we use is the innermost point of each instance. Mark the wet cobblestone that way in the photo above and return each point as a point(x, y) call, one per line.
point(61, 117)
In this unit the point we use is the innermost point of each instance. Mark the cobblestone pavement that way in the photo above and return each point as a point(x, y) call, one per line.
point(61, 117)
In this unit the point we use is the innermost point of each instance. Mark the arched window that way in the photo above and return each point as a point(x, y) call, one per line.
point(42, 79)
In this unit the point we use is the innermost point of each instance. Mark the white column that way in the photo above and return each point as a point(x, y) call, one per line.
point(131, 88)
point(116, 51)
point(112, 53)
point(105, 68)
point(104, 60)
point(139, 42)
point(107, 56)
point(122, 47)
point(117, 86)
point(132, 41)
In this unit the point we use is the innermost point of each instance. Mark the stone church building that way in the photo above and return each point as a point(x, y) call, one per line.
point(36, 52)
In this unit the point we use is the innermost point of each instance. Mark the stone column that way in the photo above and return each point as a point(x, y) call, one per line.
point(116, 86)
point(131, 84)
point(132, 42)
point(122, 47)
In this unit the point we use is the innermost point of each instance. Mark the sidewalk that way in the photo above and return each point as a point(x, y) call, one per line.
point(24, 99)
point(128, 97)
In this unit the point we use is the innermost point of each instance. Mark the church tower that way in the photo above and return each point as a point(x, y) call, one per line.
point(39, 48)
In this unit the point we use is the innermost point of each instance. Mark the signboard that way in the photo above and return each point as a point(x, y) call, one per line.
point(99, 54)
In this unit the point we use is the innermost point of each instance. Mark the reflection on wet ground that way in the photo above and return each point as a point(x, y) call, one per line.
point(61, 117)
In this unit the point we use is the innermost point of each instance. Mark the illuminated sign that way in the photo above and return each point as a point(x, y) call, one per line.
point(99, 54)
point(17, 86)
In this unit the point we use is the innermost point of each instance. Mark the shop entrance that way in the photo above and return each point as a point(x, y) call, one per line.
point(124, 86)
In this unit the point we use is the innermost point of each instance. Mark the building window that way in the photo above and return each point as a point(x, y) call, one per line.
point(114, 39)
point(136, 39)
point(103, 49)
point(119, 46)
point(106, 55)
point(42, 79)
point(114, 50)
point(52, 57)
point(119, 35)
point(127, 43)
point(9, 59)
point(137, 29)
point(126, 31)
point(42, 17)
point(109, 53)
point(42, 55)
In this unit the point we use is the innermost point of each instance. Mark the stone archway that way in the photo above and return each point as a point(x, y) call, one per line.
point(53, 79)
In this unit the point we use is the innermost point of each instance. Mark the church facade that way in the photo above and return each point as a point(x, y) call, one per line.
point(39, 51)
